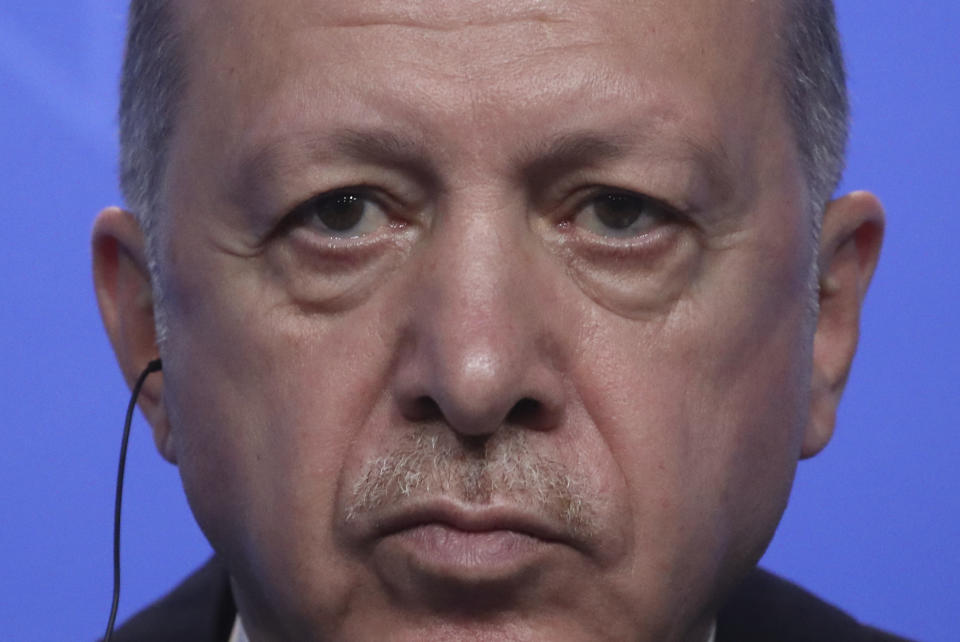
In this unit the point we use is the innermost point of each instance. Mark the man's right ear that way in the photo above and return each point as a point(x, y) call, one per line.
point(125, 295)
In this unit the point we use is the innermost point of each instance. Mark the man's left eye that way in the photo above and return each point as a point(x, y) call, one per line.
point(342, 213)
point(620, 214)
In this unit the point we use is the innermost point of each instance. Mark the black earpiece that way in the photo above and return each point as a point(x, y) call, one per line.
point(153, 366)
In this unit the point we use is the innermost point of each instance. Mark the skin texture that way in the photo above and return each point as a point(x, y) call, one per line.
point(482, 414)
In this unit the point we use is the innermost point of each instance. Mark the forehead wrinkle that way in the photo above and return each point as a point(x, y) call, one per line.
point(366, 22)
point(443, 18)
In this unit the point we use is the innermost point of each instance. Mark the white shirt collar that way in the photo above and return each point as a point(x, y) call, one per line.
point(240, 635)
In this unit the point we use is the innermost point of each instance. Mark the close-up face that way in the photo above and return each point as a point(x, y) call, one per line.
point(484, 320)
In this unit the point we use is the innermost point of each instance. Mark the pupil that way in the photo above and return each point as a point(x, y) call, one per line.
point(342, 212)
point(618, 212)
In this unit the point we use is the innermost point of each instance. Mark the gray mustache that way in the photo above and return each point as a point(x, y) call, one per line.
point(503, 470)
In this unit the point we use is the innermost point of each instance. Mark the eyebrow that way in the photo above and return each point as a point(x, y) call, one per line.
point(268, 162)
point(566, 152)
point(539, 163)
point(383, 147)
point(572, 151)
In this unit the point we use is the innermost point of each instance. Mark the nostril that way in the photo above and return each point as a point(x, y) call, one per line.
point(525, 412)
point(425, 409)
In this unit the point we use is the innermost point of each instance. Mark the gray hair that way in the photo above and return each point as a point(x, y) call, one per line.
point(815, 88)
point(152, 85)
point(154, 81)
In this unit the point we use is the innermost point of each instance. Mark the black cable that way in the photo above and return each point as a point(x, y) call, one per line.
point(153, 366)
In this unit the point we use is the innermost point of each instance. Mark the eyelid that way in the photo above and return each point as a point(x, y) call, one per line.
point(672, 210)
point(293, 217)
point(301, 209)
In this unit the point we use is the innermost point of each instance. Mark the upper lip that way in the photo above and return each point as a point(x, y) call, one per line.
point(470, 518)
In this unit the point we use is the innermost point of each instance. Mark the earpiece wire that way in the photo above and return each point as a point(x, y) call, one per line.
point(153, 366)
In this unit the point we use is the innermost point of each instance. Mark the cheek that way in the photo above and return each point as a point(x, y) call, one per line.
point(265, 405)
point(703, 415)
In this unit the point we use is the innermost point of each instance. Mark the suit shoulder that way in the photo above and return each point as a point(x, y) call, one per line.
point(769, 608)
point(199, 609)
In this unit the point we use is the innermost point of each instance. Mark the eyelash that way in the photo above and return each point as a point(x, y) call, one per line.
point(300, 215)
point(300, 212)
point(663, 208)
point(603, 190)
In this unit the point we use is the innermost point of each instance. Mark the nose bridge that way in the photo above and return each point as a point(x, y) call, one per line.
point(477, 327)
point(473, 282)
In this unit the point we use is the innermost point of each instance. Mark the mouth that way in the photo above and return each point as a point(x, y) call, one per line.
point(465, 543)
point(468, 519)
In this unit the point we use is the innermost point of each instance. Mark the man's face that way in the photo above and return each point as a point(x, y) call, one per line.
point(486, 320)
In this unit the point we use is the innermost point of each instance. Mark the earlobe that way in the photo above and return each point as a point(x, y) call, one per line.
point(125, 297)
point(850, 243)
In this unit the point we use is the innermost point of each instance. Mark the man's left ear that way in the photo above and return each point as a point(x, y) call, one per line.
point(850, 241)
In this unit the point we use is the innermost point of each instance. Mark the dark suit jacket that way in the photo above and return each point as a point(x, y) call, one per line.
point(764, 609)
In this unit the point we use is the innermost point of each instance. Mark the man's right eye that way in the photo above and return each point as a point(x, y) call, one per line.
point(346, 213)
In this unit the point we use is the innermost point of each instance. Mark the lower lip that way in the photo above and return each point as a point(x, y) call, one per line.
point(444, 550)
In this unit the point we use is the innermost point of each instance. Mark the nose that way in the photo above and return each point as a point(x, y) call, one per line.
point(482, 350)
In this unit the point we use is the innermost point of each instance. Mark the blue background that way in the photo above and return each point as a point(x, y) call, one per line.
point(874, 523)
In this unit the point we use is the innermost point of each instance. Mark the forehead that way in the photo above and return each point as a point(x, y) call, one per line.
point(254, 42)
point(655, 18)
point(262, 70)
